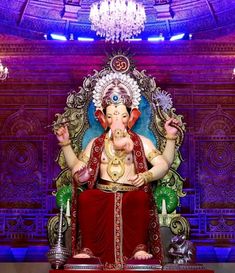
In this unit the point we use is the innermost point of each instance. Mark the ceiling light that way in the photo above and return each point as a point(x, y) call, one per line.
point(117, 20)
point(156, 39)
point(135, 39)
point(84, 39)
point(177, 37)
point(58, 37)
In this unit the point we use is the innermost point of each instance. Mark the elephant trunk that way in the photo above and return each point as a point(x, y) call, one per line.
point(122, 141)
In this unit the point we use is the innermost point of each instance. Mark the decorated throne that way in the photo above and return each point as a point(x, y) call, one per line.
point(156, 107)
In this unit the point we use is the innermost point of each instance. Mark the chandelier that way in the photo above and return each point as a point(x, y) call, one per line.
point(3, 72)
point(117, 20)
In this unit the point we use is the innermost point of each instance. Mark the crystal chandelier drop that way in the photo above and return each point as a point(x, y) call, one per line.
point(117, 20)
point(3, 72)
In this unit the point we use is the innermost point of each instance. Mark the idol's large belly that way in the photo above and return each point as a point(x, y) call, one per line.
point(123, 172)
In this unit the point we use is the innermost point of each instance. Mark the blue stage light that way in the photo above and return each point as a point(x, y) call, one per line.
point(58, 37)
point(19, 253)
point(177, 37)
point(156, 39)
point(85, 39)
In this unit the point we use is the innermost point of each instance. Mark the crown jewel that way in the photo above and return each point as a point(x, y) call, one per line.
point(115, 88)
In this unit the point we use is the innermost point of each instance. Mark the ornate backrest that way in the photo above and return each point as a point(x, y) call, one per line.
point(156, 107)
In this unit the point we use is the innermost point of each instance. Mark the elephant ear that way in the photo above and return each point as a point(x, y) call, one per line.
point(135, 114)
point(101, 118)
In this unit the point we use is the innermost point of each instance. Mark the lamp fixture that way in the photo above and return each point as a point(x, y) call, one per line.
point(177, 37)
point(3, 72)
point(85, 39)
point(156, 38)
point(117, 20)
point(58, 37)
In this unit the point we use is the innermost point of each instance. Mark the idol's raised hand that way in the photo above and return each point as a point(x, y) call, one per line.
point(62, 134)
point(170, 127)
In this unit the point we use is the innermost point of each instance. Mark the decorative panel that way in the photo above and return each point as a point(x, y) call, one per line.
point(198, 75)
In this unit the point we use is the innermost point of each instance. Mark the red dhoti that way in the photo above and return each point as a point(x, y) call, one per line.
point(112, 225)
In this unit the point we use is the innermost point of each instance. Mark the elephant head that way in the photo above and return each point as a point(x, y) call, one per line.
point(119, 120)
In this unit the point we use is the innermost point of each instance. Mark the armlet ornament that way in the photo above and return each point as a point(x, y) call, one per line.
point(83, 157)
point(153, 154)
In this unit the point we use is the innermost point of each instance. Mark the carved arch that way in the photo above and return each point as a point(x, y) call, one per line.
point(21, 123)
point(218, 123)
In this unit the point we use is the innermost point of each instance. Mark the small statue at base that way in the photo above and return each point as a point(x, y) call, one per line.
point(182, 250)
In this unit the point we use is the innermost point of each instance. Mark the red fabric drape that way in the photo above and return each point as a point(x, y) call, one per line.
point(113, 224)
point(114, 212)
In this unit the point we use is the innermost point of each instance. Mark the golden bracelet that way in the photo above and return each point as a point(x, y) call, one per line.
point(64, 143)
point(169, 137)
point(147, 176)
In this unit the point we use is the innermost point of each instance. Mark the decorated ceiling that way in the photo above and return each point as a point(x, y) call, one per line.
point(33, 19)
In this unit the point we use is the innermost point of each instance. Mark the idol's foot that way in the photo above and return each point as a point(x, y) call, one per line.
point(142, 255)
point(84, 253)
point(81, 255)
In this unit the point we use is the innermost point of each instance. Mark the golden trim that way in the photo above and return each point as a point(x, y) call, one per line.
point(116, 187)
point(153, 154)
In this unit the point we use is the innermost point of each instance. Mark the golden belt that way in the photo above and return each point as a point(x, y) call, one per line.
point(114, 187)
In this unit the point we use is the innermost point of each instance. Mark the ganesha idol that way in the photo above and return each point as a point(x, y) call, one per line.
point(117, 217)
